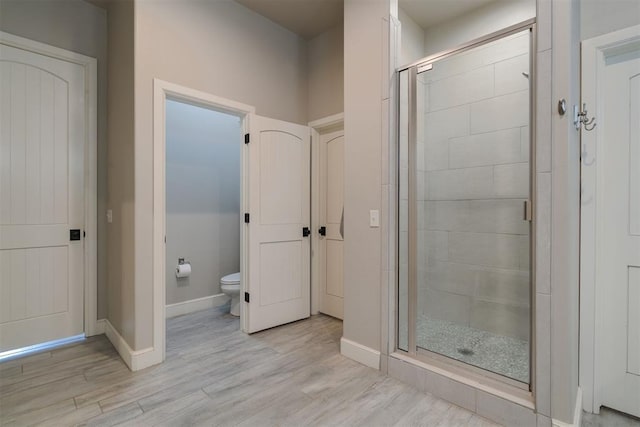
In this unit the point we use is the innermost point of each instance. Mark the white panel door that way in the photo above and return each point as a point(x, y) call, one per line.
point(279, 206)
point(617, 220)
point(331, 217)
point(42, 133)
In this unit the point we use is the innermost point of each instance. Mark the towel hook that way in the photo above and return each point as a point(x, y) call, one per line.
point(580, 118)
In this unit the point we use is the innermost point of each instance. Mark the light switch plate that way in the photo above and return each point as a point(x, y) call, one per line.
point(374, 218)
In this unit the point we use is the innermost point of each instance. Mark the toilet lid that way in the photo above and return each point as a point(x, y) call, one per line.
point(231, 279)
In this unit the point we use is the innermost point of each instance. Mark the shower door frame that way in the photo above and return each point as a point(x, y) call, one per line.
point(456, 367)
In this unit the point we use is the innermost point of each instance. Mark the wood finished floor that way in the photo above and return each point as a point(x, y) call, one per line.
point(215, 375)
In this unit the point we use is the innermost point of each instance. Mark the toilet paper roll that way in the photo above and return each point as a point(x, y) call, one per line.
point(183, 270)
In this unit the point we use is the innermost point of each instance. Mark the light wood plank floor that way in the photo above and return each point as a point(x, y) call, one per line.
point(215, 375)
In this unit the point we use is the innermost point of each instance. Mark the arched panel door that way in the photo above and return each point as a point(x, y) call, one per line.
point(42, 134)
point(278, 286)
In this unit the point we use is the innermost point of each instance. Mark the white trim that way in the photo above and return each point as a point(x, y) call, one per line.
point(577, 414)
point(593, 56)
point(161, 91)
point(325, 122)
point(135, 360)
point(197, 304)
point(360, 353)
point(91, 174)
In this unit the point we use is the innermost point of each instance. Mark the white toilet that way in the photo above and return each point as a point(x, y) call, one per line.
point(230, 285)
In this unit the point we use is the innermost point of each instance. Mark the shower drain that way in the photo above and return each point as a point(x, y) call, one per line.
point(465, 351)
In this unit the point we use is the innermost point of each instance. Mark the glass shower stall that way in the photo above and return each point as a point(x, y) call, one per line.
point(464, 206)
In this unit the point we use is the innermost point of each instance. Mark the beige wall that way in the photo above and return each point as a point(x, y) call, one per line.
point(411, 40)
point(218, 47)
point(477, 23)
point(364, 114)
point(120, 172)
point(79, 27)
point(618, 13)
point(565, 211)
point(326, 73)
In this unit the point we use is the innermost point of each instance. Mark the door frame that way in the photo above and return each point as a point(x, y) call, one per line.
point(594, 52)
point(163, 90)
point(318, 127)
point(90, 285)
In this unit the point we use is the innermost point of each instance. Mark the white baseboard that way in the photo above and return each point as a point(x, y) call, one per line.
point(577, 414)
point(360, 353)
point(134, 359)
point(186, 307)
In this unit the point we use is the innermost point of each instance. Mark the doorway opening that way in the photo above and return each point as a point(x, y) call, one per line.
point(203, 209)
point(181, 117)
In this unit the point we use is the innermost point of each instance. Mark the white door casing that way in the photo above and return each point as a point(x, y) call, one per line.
point(610, 223)
point(331, 211)
point(279, 208)
point(42, 190)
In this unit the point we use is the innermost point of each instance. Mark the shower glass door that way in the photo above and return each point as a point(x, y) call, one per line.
point(464, 281)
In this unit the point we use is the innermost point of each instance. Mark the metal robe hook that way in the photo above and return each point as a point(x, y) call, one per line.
point(580, 118)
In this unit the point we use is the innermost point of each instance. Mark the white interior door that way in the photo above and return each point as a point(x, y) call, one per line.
point(611, 172)
point(42, 133)
point(279, 206)
point(331, 218)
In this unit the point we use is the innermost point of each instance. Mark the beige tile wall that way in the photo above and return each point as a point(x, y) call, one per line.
point(473, 116)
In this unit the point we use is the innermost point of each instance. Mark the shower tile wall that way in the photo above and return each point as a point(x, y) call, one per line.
point(473, 178)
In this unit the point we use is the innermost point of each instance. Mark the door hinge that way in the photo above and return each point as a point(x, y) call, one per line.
point(246, 218)
point(305, 231)
point(84, 234)
point(247, 137)
point(246, 297)
point(322, 231)
point(74, 234)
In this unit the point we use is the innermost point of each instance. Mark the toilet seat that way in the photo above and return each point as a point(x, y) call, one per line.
point(231, 279)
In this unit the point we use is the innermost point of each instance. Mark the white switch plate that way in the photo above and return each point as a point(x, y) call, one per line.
point(109, 216)
point(374, 218)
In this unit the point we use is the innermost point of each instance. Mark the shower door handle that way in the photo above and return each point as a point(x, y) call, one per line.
point(528, 214)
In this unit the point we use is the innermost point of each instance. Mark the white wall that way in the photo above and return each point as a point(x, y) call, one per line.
point(477, 23)
point(203, 199)
point(599, 17)
point(80, 27)
point(325, 77)
point(219, 47)
point(411, 39)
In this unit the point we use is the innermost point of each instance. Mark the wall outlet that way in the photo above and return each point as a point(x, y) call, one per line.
point(374, 218)
point(109, 216)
